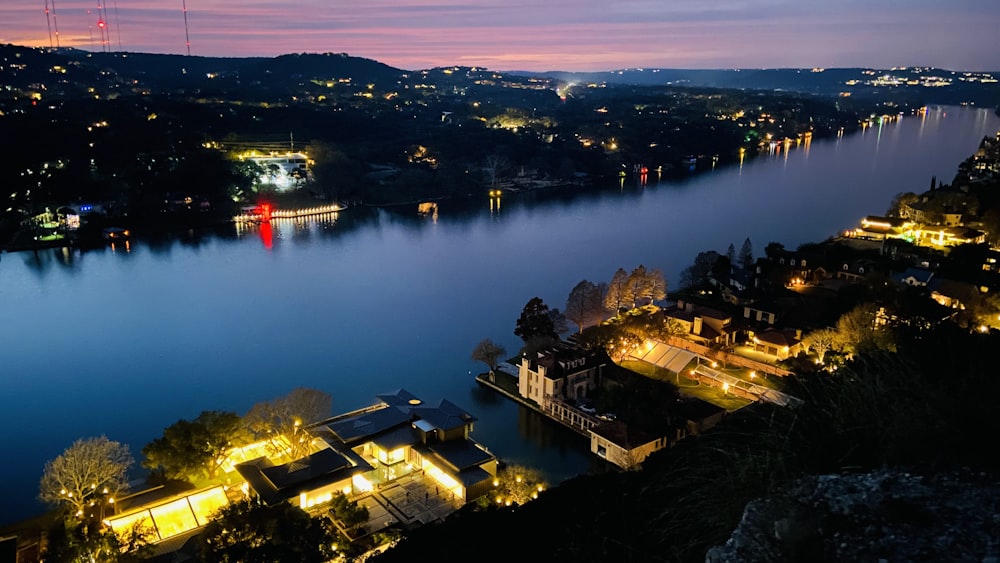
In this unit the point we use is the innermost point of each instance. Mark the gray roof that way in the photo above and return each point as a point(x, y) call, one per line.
point(398, 398)
point(460, 454)
point(364, 425)
point(446, 415)
point(274, 483)
point(396, 438)
point(306, 469)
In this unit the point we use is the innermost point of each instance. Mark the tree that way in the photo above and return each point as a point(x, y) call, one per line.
point(655, 286)
point(773, 249)
point(488, 352)
point(535, 324)
point(857, 331)
point(285, 420)
point(821, 341)
point(585, 305)
point(636, 284)
point(746, 254)
point(617, 293)
point(697, 273)
point(249, 531)
point(517, 484)
point(494, 166)
point(70, 540)
point(89, 474)
point(189, 450)
point(731, 253)
point(349, 512)
point(899, 202)
point(558, 321)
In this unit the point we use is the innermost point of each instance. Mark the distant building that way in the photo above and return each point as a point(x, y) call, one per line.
point(781, 344)
point(703, 325)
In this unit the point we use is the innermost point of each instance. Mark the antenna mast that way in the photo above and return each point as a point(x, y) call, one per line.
point(48, 20)
point(55, 22)
point(187, 37)
point(118, 28)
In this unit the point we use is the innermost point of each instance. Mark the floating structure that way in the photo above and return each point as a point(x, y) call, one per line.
point(265, 212)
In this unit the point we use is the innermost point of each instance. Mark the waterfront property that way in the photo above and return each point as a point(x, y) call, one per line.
point(703, 325)
point(360, 451)
point(383, 456)
point(933, 235)
point(561, 381)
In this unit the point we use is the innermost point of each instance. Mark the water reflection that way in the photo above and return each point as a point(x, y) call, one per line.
point(376, 298)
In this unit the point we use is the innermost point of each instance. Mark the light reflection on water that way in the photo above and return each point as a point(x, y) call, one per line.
point(124, 343)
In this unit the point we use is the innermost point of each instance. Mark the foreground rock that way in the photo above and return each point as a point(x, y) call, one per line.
point(880, 516)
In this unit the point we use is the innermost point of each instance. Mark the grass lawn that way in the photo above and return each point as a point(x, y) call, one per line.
point(712, 395)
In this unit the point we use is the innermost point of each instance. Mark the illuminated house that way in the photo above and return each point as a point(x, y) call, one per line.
point(703, 325)
point(781, 344)
point(560, 372)
point(378, 444)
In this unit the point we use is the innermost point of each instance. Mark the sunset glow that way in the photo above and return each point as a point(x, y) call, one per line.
point(555, 35)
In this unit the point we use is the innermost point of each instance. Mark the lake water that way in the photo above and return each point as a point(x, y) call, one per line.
point(124, 342)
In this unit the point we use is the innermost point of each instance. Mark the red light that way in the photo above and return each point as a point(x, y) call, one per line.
point(100, 23)
point(266, 235)
point(265, 212)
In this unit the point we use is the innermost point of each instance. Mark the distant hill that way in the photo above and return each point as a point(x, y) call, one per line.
point(176, 71)
point(931, 84)
point(158, 71)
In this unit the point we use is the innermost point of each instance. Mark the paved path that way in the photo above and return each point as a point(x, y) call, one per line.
point(412, 501)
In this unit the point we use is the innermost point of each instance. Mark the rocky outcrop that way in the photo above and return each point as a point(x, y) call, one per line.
point(891, 516)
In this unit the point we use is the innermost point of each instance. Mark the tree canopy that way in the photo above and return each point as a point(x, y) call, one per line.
point(697, 273)
point(284, 421)
point(585, 304)
point(488, 352)
point(746, 254)
point(190, 449)
point(249, 531)
point(89, 474)
point(617, 294)
point(535, 325)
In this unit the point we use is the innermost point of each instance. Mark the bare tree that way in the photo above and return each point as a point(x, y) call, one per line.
point(821, 341)
point(494, 165)
point(285, 420)
point(488, 352)
point(636, 284)
point(655, 286)
point(517, 484)
point(628, 459)
point(89, 474)
point(617, 293)
point(585, 304)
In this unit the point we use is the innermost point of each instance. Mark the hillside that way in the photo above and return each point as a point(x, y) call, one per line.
point(923, 410)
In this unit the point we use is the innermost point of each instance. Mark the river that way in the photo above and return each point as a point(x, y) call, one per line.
point(124, 342)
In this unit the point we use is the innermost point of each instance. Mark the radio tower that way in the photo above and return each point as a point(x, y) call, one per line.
point(187, 38)
point(55, 22)
point(48, 20)
point(118, 28)
point(102, 28)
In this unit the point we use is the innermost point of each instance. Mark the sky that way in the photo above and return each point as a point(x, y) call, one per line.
point(534, 35)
